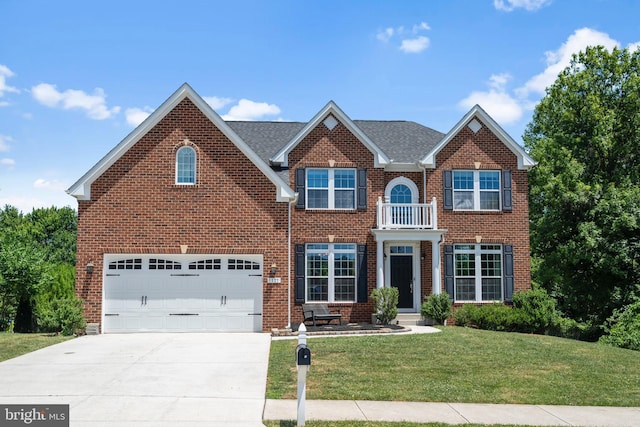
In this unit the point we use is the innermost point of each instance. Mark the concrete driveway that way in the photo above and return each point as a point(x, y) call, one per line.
point(146, 379)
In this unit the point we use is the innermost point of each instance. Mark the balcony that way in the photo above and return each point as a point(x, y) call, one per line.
point(412, 216)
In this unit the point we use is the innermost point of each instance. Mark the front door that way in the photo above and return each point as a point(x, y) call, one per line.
point(402, 278)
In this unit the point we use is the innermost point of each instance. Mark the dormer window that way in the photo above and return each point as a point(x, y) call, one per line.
point(186, 166)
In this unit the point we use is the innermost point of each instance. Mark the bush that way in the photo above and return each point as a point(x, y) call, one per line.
point(536, 311)
point(625, 329)
point(437, 307)
point(492, 317)
point(61, 315)
point(386, 304)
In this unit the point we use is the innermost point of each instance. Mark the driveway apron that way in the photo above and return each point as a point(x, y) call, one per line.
point(154, 379)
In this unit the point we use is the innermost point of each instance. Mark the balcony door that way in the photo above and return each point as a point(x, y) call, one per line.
point(402, 193)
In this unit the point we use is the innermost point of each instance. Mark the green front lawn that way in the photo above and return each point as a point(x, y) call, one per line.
point(460, 365)
point(14, 345)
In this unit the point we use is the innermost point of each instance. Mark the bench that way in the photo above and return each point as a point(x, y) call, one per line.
point(317, 312)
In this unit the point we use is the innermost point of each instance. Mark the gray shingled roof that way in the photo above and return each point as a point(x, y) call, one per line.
point(402, 141)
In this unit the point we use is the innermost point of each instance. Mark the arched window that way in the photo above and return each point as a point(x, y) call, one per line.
point(186, 166)
point(401, 192)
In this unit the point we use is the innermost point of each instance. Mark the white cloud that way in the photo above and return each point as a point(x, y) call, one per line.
point(5, 72)
point(7, 162)
point(44, 184)
point(416, 45)
point(385, 34)
point(216, 102)
point(410, 41)
point(249, 110)
point(95, 105)
point(633, 46)
point(4, 142)
point(558, 60)
point(501, 106)
point(423, 26)
point(135, 116)
point(530, 5)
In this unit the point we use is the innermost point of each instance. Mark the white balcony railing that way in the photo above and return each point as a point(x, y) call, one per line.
point(393, 216)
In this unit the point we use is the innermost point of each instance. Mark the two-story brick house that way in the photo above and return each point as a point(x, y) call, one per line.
point(192, 223)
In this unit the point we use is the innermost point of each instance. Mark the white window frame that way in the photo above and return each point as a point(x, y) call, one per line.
point(476, 190)
point(477, 250)
point(195, 166)
point(331, 250)
point(331, 188)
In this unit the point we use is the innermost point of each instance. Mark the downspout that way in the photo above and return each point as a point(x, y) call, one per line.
point(424, 180)
point(292, 201)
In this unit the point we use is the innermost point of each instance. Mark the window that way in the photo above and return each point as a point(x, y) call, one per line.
point(164, 264)
point(243, 264)
point(331, 188)
point(205, 264)
point(330, 272)
point(478, 272)
point(476, 190)
point(186, 166)
point(126, 264)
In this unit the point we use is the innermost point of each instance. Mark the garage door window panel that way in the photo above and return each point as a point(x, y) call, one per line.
point(164, 264)
point(206, 264)
point(241, 264)
point(126, 264)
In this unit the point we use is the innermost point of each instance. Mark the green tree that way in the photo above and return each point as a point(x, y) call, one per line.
point(22, 271)
point(584, 194)
point(55, 229)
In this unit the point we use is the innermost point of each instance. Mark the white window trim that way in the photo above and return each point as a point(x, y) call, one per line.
point(195, 166)
point(401, 180)
point(477, 252)
point(331, 251)
point(477, 191)
point(331, 189)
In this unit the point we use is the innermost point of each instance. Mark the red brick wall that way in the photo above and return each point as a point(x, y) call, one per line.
point(308, 226)
point(137, 208)
point(505, 227)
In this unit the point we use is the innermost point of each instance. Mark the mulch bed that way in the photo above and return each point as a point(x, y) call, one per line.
point(353, 328)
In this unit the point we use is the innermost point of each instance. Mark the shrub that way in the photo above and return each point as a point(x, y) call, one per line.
point(536, 311)
point(385, 304)
point(625, 329)
point(437, 307)
point(61, 315)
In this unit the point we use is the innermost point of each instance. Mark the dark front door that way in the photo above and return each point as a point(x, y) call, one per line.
point(402, 278)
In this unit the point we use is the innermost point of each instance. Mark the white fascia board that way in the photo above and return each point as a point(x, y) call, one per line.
point(81, 189)
point(282, 156)
point(525, 162)
point(402, 167)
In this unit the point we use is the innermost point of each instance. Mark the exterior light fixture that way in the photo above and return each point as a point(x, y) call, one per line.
point(274, 268)
point(89, 267)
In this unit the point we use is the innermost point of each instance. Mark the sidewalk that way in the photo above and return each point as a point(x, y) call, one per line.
point(454, 413)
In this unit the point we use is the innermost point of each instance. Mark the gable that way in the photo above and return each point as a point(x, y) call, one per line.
point(330, 116)
point(475, 120)
point(81, 189)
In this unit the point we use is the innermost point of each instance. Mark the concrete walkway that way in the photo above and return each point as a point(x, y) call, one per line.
point(455, 413)
point(146, 379)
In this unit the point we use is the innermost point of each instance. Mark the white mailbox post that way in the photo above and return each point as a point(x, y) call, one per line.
point(303, 363)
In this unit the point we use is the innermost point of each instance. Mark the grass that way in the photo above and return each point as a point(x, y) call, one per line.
point(14, 345)
point(460, 365)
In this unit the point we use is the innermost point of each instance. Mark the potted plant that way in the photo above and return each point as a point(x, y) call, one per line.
point(436, 307)
point(385, 305)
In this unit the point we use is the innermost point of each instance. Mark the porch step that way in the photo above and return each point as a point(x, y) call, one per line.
point(410, 319)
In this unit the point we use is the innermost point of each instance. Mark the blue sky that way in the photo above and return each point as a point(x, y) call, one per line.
point(77, 76)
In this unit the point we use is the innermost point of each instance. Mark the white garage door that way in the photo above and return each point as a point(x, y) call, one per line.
point(182, 293)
